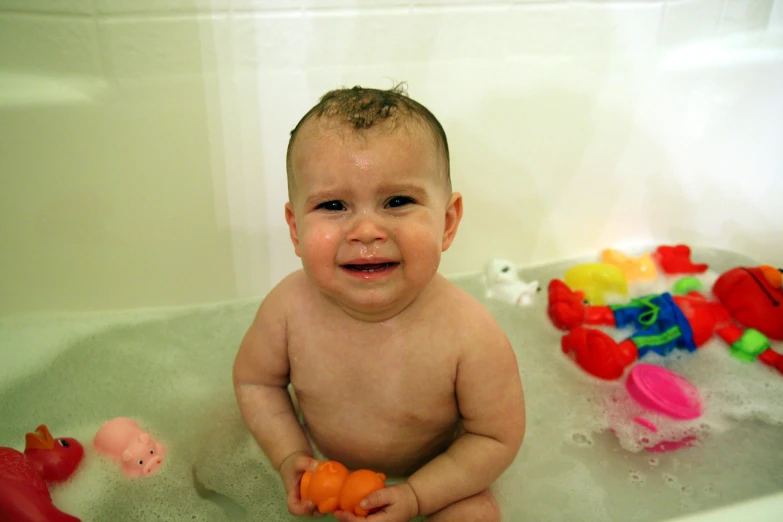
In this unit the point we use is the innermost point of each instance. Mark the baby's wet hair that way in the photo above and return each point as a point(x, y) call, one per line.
point(360, 108)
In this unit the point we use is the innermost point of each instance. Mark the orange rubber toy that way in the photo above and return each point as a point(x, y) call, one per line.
point(332, 487)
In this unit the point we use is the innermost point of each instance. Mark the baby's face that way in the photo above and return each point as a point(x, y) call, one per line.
point(370, 215)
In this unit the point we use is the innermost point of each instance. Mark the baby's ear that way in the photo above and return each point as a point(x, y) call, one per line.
point(292, 230)
point(453, 217)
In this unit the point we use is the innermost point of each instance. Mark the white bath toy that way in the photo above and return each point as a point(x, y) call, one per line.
point(503, 283)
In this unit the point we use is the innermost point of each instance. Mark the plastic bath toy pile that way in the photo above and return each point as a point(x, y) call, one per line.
point(744, 308)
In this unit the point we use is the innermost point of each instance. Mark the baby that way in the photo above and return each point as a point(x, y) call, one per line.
point(395, 369)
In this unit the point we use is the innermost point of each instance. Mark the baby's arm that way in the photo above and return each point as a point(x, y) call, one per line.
point(492, 405)
point(261, 377)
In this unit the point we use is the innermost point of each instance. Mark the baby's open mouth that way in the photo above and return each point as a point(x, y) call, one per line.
point(370, 267)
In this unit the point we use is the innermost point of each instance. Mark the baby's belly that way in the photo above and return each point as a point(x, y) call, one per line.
point(395, 445)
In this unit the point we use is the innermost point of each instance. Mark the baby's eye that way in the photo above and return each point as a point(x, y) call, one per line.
point(334, 206)
point(399, 201)
point(152, 452)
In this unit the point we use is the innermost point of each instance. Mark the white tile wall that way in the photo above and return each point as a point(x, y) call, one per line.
point(49, 45)
point(158, 36)
point(531, 29)
point(576, 124)
point(154, 47)
point(271, 42)
point(625, 29)
point(48, 6)
point(745, 15)
point(453, 3)
point(160, 6)
point(354, 4)
point(454, 35)
point(688, 21)
point(263, 5)
point(776, 17)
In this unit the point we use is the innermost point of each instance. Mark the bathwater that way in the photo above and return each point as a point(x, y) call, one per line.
point(581, 458)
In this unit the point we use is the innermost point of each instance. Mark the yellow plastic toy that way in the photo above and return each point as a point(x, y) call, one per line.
point(596, 280)
point(640, 268)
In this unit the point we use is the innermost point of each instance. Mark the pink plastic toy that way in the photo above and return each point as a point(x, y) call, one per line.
point(123, 439)
point(663, 391)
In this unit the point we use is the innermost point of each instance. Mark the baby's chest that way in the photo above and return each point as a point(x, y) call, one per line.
point(408, 378)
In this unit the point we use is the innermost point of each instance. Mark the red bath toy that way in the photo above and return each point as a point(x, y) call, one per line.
point(677, 260)
point(24, 495)
point(748, 312)
point(138, 452)
point(332, 487)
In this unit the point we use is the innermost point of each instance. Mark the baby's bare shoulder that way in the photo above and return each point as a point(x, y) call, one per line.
point(288, 293)
point(469, 318)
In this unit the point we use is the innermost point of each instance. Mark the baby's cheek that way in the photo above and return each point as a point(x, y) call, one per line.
point(423, 240)
point(320, 242)
point(422, 253)
point(318, 255)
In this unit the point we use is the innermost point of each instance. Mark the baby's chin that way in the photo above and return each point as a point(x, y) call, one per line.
point(372, 309)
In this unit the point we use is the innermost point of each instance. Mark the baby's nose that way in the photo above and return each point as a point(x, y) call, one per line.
point(367, 229)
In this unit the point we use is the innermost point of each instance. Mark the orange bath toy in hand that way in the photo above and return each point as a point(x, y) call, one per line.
point(332, 487)
point(358, 485)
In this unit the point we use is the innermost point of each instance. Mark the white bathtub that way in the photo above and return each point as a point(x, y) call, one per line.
point(171, 370)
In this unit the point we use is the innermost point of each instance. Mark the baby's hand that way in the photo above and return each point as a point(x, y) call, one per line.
point(291, 470)
point(394, 504)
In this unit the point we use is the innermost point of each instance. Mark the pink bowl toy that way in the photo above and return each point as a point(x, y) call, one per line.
point(663, 391)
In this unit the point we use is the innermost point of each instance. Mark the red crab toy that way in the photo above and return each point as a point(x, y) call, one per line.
point(747, 314)
point(24, 495)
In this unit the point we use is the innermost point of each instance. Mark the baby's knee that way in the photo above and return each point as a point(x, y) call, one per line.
point(487, 507)
point(481, 507)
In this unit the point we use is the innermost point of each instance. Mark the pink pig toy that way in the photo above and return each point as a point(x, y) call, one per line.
point(123, 439)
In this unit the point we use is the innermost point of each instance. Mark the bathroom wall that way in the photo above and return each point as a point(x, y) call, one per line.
point(142, 141)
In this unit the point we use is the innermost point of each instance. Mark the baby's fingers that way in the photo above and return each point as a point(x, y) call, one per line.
point(302, 508)
point(395, 504)
point(379, 498)
point(347, 516)
point(299, 507)
point(370, 503)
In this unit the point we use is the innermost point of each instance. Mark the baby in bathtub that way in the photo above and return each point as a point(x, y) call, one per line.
point(395, 369)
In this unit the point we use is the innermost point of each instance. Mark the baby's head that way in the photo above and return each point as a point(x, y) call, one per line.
point(363, 113)
point(370, 203)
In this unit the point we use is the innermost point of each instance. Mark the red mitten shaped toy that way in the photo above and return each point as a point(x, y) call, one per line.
point(677, 260)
